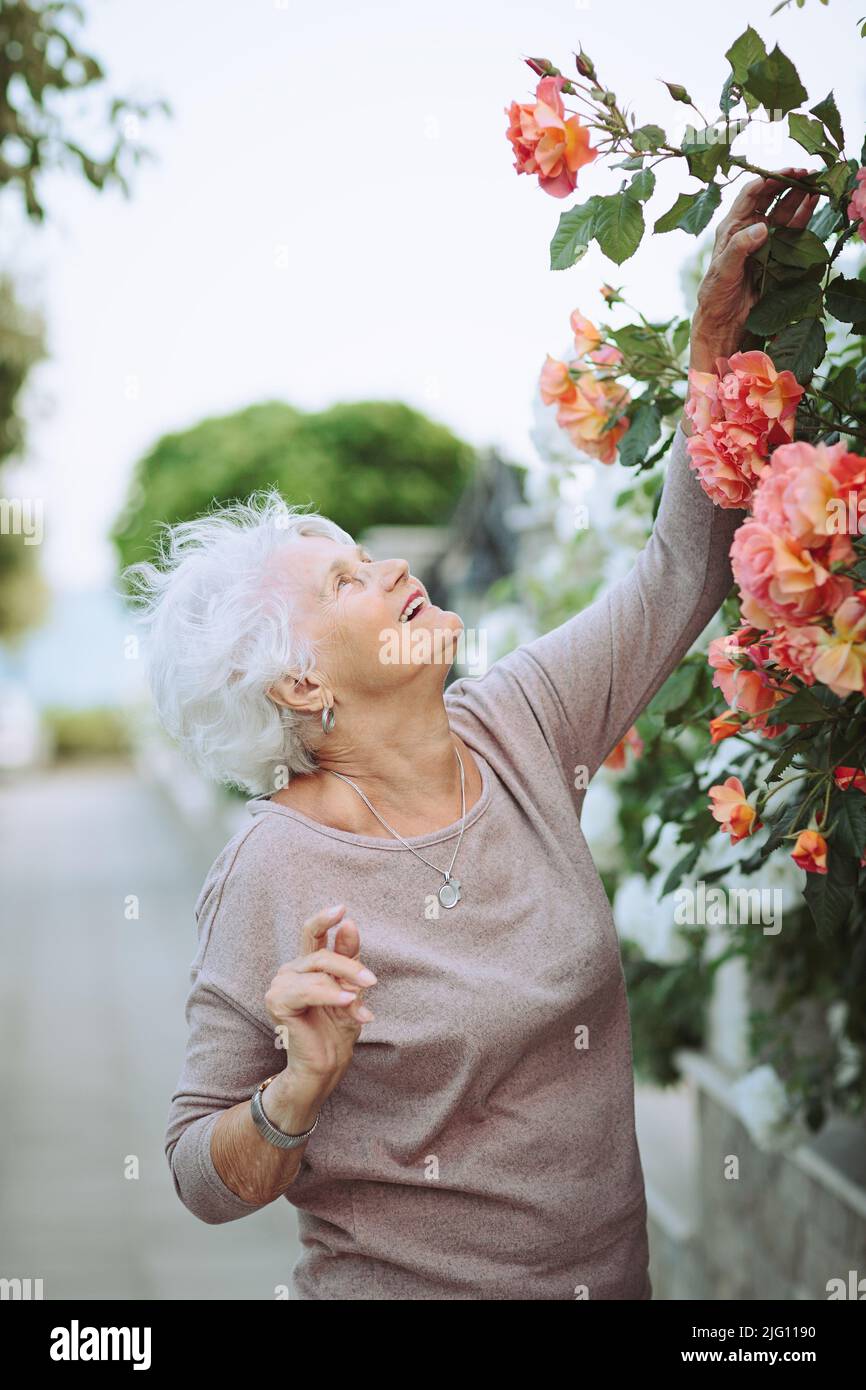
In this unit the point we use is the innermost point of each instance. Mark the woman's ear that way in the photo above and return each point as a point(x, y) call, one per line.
point(304, 696)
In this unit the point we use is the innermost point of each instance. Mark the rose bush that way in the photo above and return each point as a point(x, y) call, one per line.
point(778, 430)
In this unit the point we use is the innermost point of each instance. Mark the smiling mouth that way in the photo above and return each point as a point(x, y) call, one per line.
point(413, 607)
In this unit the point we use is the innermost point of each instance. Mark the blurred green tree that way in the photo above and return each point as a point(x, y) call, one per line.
point(41, 63)
point(43, 74)
point(23, 595)
point(361, 463)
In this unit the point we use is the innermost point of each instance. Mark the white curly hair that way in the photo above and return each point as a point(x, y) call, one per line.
point(220, 629)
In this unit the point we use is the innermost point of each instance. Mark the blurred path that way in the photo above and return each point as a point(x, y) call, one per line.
point(92, 1034)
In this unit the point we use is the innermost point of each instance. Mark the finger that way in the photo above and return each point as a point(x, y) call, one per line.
point(756, 196)
point(347, 969)
point(314, 932)
point(347, 942)
point(751, 203)
point(730, 265)
point(786, 207)
point(313, 991)
point(803, 214)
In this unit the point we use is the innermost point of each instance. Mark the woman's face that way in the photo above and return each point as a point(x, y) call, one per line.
point(350, 605)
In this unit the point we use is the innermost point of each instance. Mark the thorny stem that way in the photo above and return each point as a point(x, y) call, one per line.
point(788, 782)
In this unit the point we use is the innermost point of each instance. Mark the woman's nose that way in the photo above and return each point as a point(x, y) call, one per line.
point(395, 571)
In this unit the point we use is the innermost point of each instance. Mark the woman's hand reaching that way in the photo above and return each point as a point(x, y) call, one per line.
point(729, 288)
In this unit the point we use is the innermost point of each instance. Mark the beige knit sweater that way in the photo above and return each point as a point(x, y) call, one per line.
point(481, 1144)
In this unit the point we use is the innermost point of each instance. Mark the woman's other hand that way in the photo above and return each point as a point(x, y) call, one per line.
point(315, 1001)
point(729, 288)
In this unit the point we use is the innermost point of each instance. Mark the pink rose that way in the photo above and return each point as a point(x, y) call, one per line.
point(751, 386)
point(728, 460)
point(780, 580)
point(555, 383)
point(740, 414)
point(607, 356)
point(799, 495)
point(593, 416)
point(857, 203)
point(840, 660)
point(793, 650)
point(586, 335)
point(547, 143)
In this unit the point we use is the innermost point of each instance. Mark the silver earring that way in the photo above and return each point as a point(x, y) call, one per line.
point(328, 719)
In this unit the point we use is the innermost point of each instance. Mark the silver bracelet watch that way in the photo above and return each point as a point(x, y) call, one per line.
point(269, 1131)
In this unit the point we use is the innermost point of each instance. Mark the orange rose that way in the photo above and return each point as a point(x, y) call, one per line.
point(616, 759)
point(547, 143)
point(556, 383)
point(840, 660)
point(593, 417)
point(586, 336)
point(730, 808)
point(723, 726)
point(810, 852)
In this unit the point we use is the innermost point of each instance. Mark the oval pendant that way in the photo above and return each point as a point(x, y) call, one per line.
point(449, 893)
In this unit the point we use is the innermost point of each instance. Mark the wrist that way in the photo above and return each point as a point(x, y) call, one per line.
point(702, 357)
point(292, 1102)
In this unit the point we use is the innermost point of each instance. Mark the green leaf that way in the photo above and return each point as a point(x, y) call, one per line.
point(846, 299)
point(824, 221)
point(691, 211)
point(648, 137)
point(828, 112)
point(681, 335)
point(808, 133)
point(745, 51)
point(848, 819)
point(796, 247)
point(729, 97)
point(573, 234)
point(709, 149)
point(680, 869)
point(676, 690)
point(843, 385)
point(830, 896)
point(642, 185)
point(835, 180)
point(645, 353)
point(785, 305)
point(642, 433)
point(803, 707)
point(784, 760)
point(776, 83)
point(799, 348)
point(618, 226)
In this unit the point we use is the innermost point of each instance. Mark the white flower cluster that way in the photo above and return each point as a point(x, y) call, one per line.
point(764, 1108)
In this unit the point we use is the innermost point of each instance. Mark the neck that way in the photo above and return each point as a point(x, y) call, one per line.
point(403, 757)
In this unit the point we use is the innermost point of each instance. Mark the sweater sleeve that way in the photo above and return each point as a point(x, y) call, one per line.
point(228, 1054)
point(605, 664)
point(576, 690)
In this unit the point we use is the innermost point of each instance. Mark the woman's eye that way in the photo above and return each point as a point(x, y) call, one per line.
point(343, 577)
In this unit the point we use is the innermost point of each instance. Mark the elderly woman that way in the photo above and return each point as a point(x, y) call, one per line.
point(472, 1135)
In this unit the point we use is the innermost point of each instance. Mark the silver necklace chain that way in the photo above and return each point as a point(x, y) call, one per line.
point(449, 893)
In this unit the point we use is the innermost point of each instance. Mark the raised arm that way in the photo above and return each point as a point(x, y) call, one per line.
point(597, 671)
point(585, 682)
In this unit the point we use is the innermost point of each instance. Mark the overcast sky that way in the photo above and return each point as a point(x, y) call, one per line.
point(334, 215)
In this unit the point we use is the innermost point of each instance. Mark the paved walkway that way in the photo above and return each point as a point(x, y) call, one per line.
point(92, 1033)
